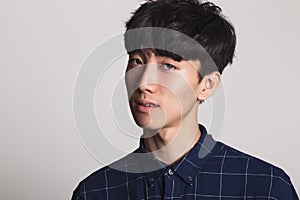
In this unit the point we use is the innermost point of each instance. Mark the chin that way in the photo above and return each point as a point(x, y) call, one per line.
point(149, 121)
point(151, 125)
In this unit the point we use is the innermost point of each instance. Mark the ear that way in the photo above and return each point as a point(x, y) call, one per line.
point(208, 85)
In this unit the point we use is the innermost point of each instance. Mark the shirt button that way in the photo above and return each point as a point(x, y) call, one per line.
point(190, 178)
point(171, 172)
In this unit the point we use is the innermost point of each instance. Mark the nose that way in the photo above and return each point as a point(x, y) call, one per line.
point(148, 80)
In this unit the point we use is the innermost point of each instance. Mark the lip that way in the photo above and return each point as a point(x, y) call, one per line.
point(146, 101)
point(146, 109)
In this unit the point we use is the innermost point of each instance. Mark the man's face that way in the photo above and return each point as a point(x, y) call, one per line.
point(162, 92)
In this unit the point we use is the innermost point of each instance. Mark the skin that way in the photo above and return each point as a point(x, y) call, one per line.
point(170, 124)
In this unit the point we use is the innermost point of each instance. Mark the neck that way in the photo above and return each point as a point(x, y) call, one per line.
point(172, 143)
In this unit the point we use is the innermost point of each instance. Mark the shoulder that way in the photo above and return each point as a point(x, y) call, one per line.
point(94, 182)
point(105, 180)
point(237, 159)
point(259, 176)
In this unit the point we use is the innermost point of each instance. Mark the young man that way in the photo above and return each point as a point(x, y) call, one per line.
point(177, 51)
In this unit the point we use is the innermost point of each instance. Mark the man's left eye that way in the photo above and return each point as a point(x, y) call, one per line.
point(167, 67)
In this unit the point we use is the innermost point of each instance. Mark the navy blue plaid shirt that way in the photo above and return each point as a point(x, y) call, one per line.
point(210, 170)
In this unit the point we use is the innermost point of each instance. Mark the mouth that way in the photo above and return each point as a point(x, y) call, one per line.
point(146, 106)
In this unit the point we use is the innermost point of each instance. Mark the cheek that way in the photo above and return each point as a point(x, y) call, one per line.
point(132, 79)
point(181, 91)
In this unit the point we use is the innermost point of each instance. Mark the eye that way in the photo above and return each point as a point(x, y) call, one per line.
point(167, 67)
point(134, 62)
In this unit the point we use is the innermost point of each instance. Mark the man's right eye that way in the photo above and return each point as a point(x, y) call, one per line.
point(134, 62)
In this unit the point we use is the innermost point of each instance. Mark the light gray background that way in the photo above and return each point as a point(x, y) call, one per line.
point(44, 43)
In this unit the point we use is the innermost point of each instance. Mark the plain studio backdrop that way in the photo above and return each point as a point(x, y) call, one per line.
point(45, 43)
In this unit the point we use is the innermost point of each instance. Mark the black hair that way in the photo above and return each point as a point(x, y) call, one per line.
point(200, 21)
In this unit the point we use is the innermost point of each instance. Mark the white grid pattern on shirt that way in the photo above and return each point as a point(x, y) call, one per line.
point(246, 178)
point(195, 194)
point(221, 175)
point(196, 185)
point(106, 184)
point(271, 180)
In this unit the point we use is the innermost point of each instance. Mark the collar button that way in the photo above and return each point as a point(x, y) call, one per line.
point(170, 172)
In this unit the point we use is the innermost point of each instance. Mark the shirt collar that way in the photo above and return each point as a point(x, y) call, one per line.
point(187, 167)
